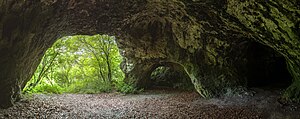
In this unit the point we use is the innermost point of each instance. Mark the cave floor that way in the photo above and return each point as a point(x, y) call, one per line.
point(258, 103)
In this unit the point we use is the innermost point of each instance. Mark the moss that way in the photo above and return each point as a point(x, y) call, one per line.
point(188, 35)
point(199, 86)
point(273, 22)
point(293, 92)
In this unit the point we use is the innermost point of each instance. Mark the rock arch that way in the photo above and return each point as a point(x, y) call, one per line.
point(206, 37)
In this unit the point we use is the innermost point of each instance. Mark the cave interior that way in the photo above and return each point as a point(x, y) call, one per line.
point(266, 68)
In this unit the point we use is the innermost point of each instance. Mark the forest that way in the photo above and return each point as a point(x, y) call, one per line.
point(80, 64)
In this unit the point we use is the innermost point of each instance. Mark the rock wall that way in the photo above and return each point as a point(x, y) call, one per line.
point(208, 39)
point(168, 77)
point(276, 24)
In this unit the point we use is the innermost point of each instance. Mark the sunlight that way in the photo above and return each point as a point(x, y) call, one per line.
point(78, 64)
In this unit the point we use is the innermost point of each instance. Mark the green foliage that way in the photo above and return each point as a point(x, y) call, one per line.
point(78, 64)
point(125, 88)
point(46, 88)
point(88, 87)
point(56, 89)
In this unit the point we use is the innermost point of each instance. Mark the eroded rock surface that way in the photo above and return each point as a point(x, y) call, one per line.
point(207, 39)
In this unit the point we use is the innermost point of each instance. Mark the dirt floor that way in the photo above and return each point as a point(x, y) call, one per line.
point(171, 104)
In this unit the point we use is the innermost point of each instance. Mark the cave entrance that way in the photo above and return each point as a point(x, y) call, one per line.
point(167, 77)
point(266, 68)
point(78, 64)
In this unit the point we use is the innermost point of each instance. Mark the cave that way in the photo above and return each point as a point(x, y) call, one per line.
point(82, 61)
point(204, 37)
point(165, 77)
point(266, 68)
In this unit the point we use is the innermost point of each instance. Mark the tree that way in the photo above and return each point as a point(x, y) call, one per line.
point(43, 68)
point(79, 60)
point(102, 48)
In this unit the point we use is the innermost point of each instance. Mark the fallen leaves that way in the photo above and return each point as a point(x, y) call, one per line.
point(151, 104)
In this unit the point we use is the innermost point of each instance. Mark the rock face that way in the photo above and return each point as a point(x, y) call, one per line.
point(207, 39)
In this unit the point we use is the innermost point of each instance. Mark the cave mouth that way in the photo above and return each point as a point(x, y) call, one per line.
point(266, 68)
point(78, 64)
point(164, 77)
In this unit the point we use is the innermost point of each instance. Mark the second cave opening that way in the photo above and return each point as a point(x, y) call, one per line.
point(165, 77)
point(266, 68)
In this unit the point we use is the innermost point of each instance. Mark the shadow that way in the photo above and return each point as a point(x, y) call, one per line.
point(266, 68)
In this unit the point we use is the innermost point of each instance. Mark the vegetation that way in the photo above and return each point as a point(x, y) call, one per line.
point(80, 64)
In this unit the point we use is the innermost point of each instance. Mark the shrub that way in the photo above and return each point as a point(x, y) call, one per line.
point(46, 88)
point(89, 87)
point(125, 88)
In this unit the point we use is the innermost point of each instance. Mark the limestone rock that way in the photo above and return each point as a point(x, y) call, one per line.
point(206, 39)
